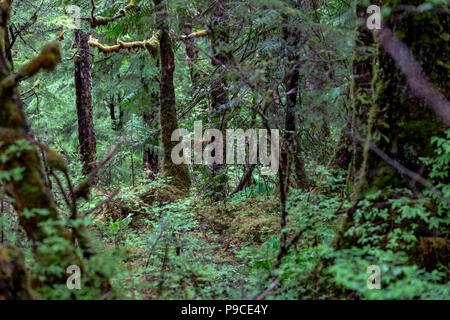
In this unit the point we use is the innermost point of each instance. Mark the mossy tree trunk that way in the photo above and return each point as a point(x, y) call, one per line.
point(52, 244)
point(291, 153)
point(83, 91)
point(400, 124)
point(14, 281)
point(220, 60)
point(406, 121)
point(32, 199)
point(349, 155)
point(168, 112)
point(150, 158)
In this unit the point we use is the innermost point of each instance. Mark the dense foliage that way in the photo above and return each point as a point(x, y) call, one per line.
point(143, 228)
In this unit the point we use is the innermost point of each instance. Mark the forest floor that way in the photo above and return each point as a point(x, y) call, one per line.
point(188, 248)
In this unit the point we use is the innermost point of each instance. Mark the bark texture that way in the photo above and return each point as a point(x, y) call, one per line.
point(168, 112)
point(150, 159)
point(291, 152)
point(396, 113)
point(14, 281)
point(402, 125)
point(221, 59)
point(83, 91)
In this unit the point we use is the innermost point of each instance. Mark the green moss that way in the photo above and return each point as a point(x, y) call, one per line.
point(14, 281)
point(401, 126)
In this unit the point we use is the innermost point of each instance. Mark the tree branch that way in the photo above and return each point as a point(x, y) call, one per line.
point(151, 45)
point(49, 57)
point(417, 80)
point(97, 21)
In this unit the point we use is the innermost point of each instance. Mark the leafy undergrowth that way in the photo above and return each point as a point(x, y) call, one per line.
point(158, 244)
point(185, 248)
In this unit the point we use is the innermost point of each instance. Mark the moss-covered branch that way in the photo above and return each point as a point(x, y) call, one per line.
point(151, 45)
point(194, 35)
point(47, 60)
point(97, 21)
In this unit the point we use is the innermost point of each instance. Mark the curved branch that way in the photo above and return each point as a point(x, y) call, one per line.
point(97, 21)
point(49, 57)
point(417, 80)
point(151, 45)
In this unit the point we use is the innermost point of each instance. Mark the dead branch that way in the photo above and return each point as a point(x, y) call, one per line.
point(34, 87)
point(270, 288)
point(417, 80)
point(101, 203)
point(83, 187)
point(402, 169)
point(244, 180)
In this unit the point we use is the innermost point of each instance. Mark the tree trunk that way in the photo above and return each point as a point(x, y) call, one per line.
point(150, 160)
point(168, 112)
point(396, 113)
point(401, 125)
point(219, 92)
point(83, 90)
point(8, 52)
point(291, 82)
point(14, 282)
point(363, 73)
point(150, 157)
point(51, 243)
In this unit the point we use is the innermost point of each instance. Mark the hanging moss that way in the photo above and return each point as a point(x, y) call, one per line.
point(55, 161)
point(98, 21)
point(129, 6)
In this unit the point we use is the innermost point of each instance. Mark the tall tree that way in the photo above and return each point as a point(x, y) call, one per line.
point(221, 59)
point(400, 125)
point(168, 112)
point(292, 37)
point(52, 244)
point(83, 91)
point(160, 44)
point(350, 150)
point(150, 157)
